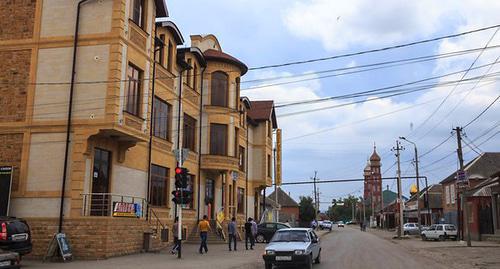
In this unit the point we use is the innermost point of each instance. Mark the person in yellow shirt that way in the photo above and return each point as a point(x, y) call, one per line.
point(204, 227)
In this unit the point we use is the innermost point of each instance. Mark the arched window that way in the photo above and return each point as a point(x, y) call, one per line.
point(219, 91)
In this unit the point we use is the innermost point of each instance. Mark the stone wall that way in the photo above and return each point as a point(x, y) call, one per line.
point(93, 237)
point(18, 17)
point(11, 146)
point(14, 78)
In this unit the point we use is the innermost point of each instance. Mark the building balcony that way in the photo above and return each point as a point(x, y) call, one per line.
point(219, 162)
point(137, 36)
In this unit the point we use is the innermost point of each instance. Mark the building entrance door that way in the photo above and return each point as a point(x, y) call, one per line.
point(210, 196)
point(100, 201)
point(5, 187)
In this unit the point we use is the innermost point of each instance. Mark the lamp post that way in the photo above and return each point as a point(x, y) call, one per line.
point(418, 178)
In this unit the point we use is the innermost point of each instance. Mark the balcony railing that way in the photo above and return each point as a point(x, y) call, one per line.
point(102, 204)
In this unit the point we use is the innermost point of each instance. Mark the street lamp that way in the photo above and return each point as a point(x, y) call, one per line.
point(418, 182)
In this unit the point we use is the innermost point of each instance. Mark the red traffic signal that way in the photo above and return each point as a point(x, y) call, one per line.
point(184, 197)
point(178, 170)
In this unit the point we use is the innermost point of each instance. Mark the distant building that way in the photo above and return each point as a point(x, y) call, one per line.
point(388, 215)
point(373, 183)
point(430, 212)
point(289, 208)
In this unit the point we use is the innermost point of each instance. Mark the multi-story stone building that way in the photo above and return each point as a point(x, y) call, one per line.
point(81, 144)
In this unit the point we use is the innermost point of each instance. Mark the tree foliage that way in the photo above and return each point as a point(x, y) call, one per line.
point(341, 209)
point(307, 211)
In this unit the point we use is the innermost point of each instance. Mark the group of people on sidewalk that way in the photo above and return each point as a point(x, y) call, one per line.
point(232, 231)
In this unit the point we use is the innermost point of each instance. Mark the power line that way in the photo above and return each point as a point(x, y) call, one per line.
point(375, 50)
point(482, 112)
point(454, 88)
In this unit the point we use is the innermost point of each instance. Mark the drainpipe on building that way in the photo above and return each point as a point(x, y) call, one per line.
point(150, 149)
point(199, 143)
point(246, 177)
point(70, 107)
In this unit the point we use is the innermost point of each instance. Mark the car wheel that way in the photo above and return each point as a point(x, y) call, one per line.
point(269, 265)
point(318, 259)
point(442, 238)
point(424, 238)
point(405, 232)
point(260, 238)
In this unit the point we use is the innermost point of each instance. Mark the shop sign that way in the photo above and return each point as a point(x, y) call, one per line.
point(130, 210)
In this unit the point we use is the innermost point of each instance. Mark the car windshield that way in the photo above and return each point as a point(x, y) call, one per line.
point(290, 236)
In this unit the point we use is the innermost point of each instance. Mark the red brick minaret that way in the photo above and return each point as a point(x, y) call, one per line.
point(376, 180)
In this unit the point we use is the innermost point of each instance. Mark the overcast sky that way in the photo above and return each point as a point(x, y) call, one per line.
point(337, 142)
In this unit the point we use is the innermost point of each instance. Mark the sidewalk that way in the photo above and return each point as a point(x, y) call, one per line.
point(456, 253)
point(218, 257)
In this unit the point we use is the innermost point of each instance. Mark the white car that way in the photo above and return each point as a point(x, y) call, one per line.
point(326, 225)
point(293, 246)
point(440, 232)
point(340, 224)
point(411, 228)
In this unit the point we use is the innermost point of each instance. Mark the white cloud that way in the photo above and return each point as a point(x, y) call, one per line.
point(340, 24)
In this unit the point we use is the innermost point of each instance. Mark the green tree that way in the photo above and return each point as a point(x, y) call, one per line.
point(307, 212)
point(341, 209)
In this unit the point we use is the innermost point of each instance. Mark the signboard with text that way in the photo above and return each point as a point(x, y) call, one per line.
point(129, 210)
point(278, 179)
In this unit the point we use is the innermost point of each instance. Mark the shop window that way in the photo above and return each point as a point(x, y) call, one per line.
point(159, 185)
point(189, 133)
point(241, 200)
point(219, 90)
point(162, 112)
point(133, 91)
point(138, 12)
point(218, 139)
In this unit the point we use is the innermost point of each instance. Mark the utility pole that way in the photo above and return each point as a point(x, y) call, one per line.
point(418, 182)
point(464, 221)
point(400, 192)
point(315, 197)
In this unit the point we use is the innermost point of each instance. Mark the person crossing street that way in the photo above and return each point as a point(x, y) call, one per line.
point(203, 227)
point(232, 231)
point(175, 230)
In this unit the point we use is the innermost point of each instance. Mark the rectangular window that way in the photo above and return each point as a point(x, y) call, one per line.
point(218, 139)
point(452, 194)
point(236, 141)
point(189, 133)
point(138, 12)
point(133, 91)
point(447, 194)
point(242, 159)
point(269, 166)
point(162, 112)
point(189, 75)
point(237, 93)
point(170, 55)
point(161, 52)
point(241, 200)
point(195, 77)
point(159, 185)
point(190, 187)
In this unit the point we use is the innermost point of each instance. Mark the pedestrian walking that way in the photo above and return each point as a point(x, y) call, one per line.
point(255, 229)
point(249, 234)
point(231, 231)
point(175, 231)
point(204, 227)
point(361, 226)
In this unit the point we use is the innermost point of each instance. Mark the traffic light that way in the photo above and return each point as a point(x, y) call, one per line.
point(184, 197)
point(181, 177)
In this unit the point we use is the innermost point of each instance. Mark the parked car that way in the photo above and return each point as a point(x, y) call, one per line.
point(440, 232)
point(294, 246)
point(326, 224)
point(15, 235)
point(340, 224)
point(411, 228)
point(9, 260)
point(351, 222)
point(266, 230)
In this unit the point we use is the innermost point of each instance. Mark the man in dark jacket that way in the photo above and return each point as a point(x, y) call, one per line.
point(249, 234)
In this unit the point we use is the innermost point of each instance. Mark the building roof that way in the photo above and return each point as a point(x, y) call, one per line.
point(161, 8)
point(270, 202)
point(173, 29)
point(197, 53)
point(375, 157)
point(212, 54)
point(283, 199)
point(481, 167)
point(263, 111)
point(390, 196)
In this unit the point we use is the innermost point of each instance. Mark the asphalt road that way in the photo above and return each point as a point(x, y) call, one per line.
point(349, 248)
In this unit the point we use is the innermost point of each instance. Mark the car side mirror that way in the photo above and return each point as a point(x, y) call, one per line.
point(315, 240)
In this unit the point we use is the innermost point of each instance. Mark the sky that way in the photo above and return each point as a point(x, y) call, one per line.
point(336, 142)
